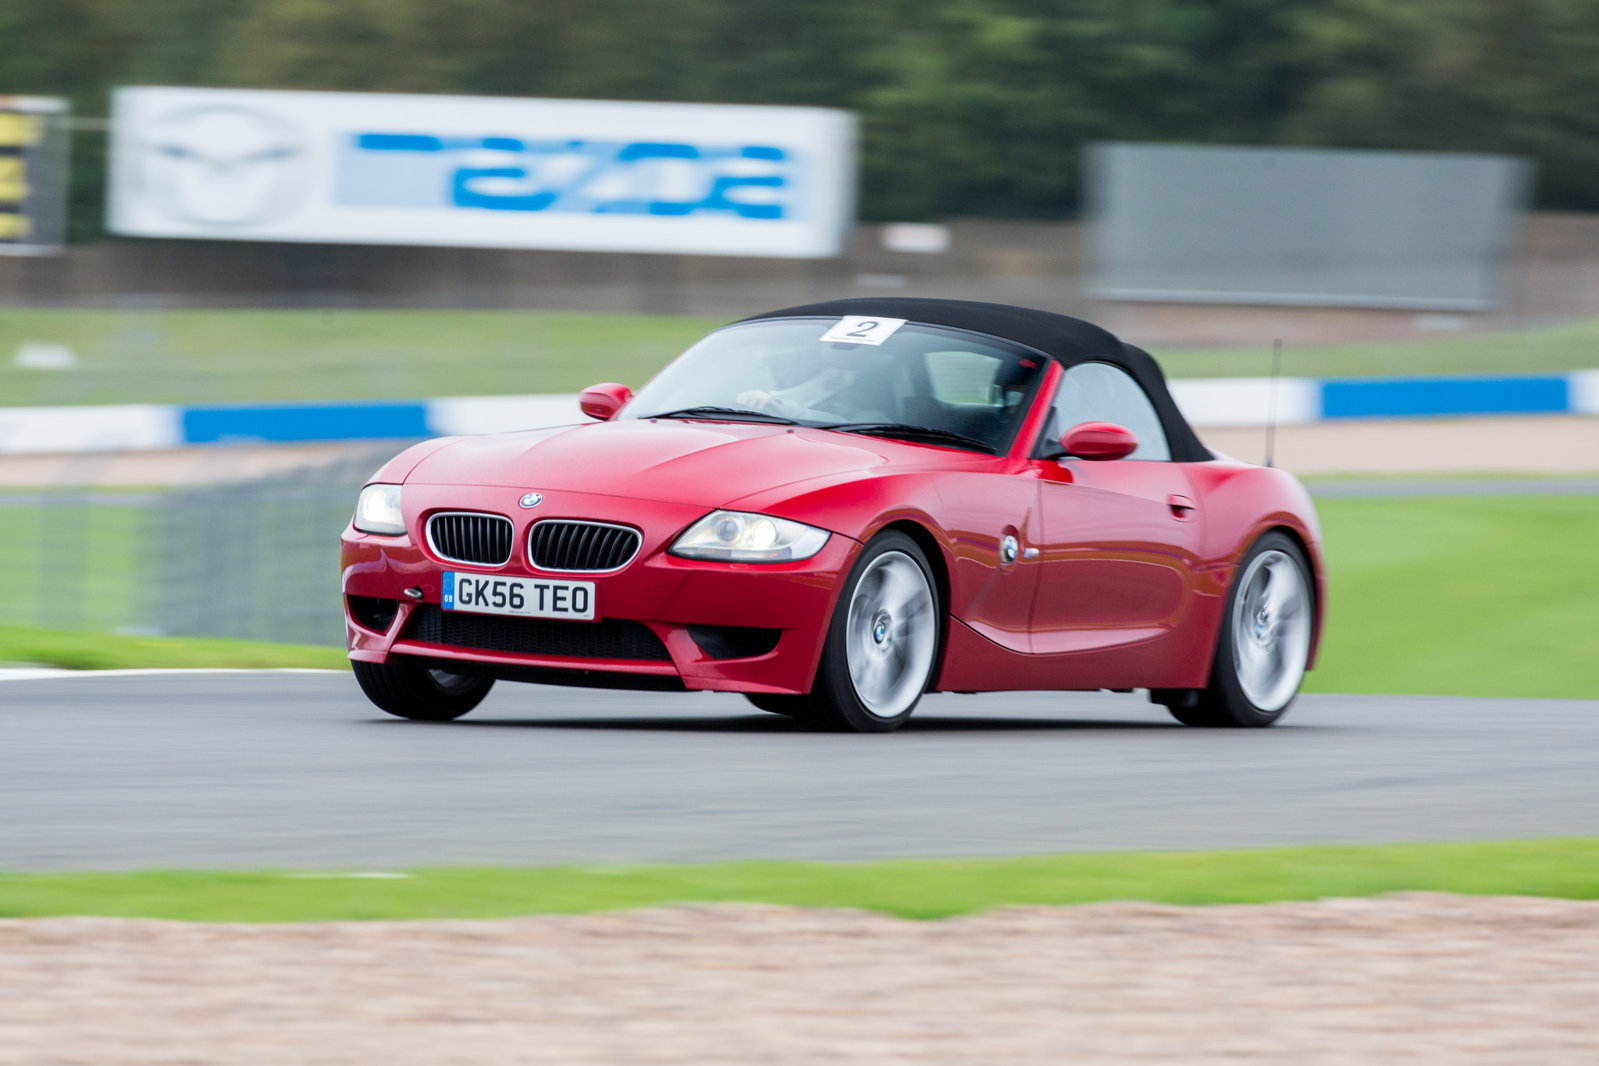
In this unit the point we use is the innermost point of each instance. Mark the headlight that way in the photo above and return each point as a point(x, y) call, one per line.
point(736, 537)
point(377, 510)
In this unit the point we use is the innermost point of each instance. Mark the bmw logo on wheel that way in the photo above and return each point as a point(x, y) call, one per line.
point(532, 499)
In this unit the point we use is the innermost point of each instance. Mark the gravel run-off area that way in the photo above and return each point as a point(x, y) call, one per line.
point(1415, 978)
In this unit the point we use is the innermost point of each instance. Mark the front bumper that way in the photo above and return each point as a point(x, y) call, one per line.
point(699, 610)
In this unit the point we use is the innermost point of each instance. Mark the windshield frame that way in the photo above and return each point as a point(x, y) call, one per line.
point(1003, 444)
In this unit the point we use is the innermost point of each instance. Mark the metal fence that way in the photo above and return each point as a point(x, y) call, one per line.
point(255, 558)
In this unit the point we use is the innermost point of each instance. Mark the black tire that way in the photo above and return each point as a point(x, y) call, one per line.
point(835, 702)
point(775, 703)
point(1228, 701)
point(1199, 715)
point(412, 690)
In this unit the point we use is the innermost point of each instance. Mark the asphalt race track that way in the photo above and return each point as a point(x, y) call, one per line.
point(297, 770)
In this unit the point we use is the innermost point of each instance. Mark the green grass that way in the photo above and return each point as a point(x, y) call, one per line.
point(263, 356)
point(76, 650)
point(86, 563)
point(1462, 596)
point(1535, 351)
point(923, 889)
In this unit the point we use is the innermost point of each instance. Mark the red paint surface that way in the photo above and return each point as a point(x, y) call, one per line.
point(603, 401)
point(1125, 590)
point(1099, 441)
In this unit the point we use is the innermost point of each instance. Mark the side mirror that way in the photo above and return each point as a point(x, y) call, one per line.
point(1099, 441)
point(603, 401)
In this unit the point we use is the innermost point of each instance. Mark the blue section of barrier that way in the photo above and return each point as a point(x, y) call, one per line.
point(304, 422)
point(1427, 397)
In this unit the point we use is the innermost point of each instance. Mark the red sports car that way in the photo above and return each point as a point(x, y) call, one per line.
point(835, 508)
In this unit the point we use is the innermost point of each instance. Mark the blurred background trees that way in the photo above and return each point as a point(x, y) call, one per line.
point(968, 107)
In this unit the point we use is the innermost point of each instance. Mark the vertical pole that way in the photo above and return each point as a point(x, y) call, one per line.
point(1271, 403)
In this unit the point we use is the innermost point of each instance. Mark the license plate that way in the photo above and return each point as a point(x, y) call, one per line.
point(523, 597)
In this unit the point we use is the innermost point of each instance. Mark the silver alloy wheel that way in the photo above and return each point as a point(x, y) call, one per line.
point(890, 634)
point(1271, 630)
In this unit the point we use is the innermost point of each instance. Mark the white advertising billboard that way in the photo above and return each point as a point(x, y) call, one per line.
point(368, 168)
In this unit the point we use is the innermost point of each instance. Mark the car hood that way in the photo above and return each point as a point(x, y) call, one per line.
point(711, 464)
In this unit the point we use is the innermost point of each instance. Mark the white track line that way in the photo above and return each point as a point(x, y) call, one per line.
point(48, 673)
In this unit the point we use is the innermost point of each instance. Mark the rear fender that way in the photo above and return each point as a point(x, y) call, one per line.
point(1242, 504)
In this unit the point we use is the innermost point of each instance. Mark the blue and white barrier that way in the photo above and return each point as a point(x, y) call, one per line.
point(1206, 402)
point(116, 427)
point(146, 427)
point(1247, 401)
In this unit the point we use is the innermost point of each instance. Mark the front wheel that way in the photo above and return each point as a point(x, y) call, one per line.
point(882, 643)
point(412, 690)
point(788, 706)
point(1264, 641)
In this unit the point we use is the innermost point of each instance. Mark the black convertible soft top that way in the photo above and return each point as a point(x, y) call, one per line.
point(1066, 340)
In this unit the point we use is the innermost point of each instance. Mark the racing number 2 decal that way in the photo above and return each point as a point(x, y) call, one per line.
point(859, 329)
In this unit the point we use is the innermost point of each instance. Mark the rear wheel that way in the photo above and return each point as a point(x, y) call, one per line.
point(882, 644)
point(412, 690)
point(1264, 641)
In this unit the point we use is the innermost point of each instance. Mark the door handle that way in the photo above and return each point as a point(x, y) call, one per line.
point(1180, 506)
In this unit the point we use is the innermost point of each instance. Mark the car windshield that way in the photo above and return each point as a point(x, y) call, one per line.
point(873, 376)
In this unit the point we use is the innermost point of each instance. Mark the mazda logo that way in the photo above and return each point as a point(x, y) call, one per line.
point(221, 165)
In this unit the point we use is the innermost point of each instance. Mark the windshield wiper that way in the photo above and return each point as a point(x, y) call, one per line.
point(741, 414)
point(928, 434)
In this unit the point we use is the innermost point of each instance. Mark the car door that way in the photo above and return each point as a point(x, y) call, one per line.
point(982, 507)
point(1117, 540)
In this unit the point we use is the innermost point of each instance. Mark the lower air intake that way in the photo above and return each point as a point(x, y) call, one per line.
point(611, 638)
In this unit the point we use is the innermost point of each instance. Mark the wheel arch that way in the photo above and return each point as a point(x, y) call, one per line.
point(1317, 593)
point(933, 550)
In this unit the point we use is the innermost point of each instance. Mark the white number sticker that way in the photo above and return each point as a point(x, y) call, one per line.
point(862, 329)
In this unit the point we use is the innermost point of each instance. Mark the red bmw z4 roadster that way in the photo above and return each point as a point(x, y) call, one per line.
point(834, 509)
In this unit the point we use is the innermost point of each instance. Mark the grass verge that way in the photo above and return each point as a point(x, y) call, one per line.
point(25, 645)
point(1534, 351)
point(309, 356)
point(925, 889)
point(1461, 596)
point(263, 356)
point(86, 563)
